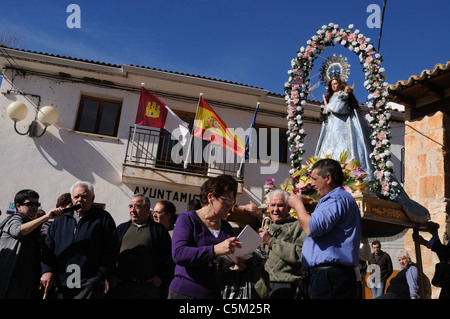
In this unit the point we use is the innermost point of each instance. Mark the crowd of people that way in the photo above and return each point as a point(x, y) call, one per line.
point(77, 251)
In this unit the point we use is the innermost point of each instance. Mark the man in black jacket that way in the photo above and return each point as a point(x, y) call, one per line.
point(144, 264)
point(78, 254)
point(383, 262)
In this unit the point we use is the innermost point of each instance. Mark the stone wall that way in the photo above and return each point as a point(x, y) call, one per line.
point(427, 178)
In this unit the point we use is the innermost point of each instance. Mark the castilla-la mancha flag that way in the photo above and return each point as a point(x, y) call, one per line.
point(152, 112)
point(210, 127)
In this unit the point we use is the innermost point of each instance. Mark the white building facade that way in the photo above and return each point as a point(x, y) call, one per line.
point(95, 138)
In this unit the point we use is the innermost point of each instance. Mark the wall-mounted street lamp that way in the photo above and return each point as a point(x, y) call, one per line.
point(47, 115)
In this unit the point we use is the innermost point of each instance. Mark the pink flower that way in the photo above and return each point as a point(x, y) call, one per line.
point(382, 135)
point(348, 189)
point(369, 59)
point(376, 94)
point(352, 37)
point(298, 80)
point(379, 174)
point(362, 46)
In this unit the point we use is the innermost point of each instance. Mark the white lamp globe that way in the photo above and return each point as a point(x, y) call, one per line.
point(17, 111)
point(47, 115)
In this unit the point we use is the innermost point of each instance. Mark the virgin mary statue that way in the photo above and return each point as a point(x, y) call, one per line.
point(344, 129)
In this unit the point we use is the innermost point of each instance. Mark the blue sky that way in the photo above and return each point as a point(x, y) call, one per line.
point(245, 41)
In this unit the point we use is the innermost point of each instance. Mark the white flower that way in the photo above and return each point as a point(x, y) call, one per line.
point(389, 164)
point(350, 26)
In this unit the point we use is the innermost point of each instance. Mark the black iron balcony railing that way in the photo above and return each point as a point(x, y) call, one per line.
point(154, 149)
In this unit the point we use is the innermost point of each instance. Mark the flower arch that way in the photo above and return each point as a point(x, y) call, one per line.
point(296, 89)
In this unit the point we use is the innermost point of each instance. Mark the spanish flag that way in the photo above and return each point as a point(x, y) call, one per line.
point(210, 127)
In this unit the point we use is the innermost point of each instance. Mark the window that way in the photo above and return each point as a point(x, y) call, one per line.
point(98, 116)
point(269, 139)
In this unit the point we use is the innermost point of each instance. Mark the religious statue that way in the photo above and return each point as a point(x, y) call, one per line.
point(344, 129)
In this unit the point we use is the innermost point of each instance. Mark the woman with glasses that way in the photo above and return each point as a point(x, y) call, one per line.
point(198, 237)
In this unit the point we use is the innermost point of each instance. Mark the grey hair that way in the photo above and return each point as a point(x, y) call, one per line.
point(146, 199)
point(87, 185)
point(403, 253)
point(278, 191)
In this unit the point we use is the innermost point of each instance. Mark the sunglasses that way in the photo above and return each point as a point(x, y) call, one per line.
point(30, 204)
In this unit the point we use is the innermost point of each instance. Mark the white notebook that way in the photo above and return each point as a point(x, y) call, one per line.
point(249, 240)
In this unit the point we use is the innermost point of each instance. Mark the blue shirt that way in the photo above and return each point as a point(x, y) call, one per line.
point(412, 279)
point(335, 227)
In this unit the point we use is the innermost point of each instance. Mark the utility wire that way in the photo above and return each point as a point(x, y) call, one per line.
point(381, 27)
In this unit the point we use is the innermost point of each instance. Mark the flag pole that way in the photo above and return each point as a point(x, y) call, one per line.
point(239, 172)
point(188, 154)
point(134, 132)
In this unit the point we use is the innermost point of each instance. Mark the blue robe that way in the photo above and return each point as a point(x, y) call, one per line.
point(345, 130)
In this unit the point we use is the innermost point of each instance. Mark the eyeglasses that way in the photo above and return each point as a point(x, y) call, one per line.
point(228, 200)
point(30, 204)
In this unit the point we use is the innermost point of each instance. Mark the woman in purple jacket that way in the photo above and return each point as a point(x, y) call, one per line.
point(199, 236)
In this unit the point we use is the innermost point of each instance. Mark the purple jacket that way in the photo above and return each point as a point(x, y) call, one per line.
point(193, 254)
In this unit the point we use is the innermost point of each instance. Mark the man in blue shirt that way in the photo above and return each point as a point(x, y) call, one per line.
point(333, 234)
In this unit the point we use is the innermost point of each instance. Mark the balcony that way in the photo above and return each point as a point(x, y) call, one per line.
point(152, 155)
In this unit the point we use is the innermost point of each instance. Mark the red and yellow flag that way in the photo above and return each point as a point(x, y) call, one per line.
point(210, 127)
point(151, 111)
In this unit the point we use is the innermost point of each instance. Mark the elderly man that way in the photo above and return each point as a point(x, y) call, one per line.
point(333, 234)
point(283, 242)
point(79, 250)
point(144, 266)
